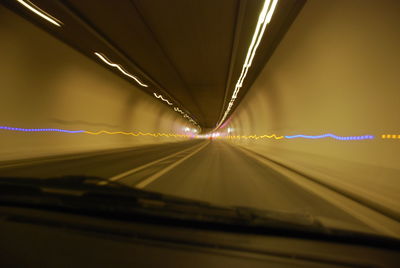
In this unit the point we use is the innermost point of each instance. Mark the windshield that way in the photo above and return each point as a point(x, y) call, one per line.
point(286, 107)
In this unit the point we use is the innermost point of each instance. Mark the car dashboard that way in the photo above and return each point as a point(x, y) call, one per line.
point(32, 237)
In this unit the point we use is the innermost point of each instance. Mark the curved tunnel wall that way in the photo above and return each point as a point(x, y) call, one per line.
point(46, 84)
point(336, 71)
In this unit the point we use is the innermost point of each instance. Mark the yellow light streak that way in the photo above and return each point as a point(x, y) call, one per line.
point(137, 134)
point(108, 62)
point(263, 20)
point(43, 14)
point(390, 136)
point(255, 137)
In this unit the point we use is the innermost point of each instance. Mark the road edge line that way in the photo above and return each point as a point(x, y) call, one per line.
point(378, 221)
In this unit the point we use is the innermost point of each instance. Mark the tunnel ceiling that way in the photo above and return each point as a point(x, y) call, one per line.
point(191, 52)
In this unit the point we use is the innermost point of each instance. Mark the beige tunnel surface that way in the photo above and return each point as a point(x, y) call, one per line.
point(336, 71)
point(46, 84)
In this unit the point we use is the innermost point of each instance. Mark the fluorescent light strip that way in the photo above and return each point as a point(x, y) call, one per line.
point(161, 97)
point(32, 7)
point(108, 62)
point(263, 20)
point(178, 110)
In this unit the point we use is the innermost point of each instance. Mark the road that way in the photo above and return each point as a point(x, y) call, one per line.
point(211, 171)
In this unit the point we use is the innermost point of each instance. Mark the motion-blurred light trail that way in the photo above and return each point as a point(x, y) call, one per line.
point(328, 135)
point(264, 18)
point(390, 136)
point(163, 99)
point(256, 137)
point(38, 11)
point(176, 109)
point(96, 132)
point(40, 129)
point(137, 134)
point(364, 137)
point(122, 70)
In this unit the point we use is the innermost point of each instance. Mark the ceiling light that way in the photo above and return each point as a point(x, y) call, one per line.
point(108, 62)
point(263, 19)
point(178, 110)
point(161, 97)
point(32, 7)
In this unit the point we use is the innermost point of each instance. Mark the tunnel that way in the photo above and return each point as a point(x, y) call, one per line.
point(288, 106)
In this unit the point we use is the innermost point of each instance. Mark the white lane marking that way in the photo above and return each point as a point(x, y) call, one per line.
point(134, 170)
point(155, 176)
point(372, 218)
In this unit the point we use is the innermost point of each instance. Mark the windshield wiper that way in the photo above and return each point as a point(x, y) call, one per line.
point(124, 198)
point(88, 196)
point(70, 181)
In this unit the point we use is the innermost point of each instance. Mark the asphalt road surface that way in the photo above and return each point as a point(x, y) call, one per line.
point(211, 171)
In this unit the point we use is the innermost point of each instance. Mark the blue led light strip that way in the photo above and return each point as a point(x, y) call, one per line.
point(41, 129)
point(364, 137)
